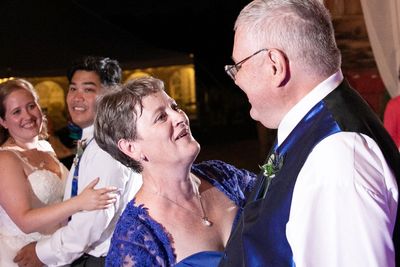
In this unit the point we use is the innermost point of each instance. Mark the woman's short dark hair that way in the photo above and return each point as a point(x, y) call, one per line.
point(117, 114)
point(6, 88)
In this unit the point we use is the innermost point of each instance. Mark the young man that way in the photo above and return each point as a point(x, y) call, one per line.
point(328, 195)
point(85, 240)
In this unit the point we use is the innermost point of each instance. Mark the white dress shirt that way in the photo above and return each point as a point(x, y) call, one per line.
point(90, 232)
point(345, 198)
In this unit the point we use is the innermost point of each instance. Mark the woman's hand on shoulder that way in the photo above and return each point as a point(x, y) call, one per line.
point(95, 199)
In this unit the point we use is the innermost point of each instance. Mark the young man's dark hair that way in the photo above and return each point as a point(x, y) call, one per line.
point(109, 71)
point(85, 240)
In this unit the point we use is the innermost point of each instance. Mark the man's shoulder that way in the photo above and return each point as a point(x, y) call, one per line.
point(95, 157)
point(93, 150)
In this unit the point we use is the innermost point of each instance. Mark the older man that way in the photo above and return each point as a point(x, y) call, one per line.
point(328, 193)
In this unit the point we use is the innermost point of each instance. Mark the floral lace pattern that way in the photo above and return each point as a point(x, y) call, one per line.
point(48, 188)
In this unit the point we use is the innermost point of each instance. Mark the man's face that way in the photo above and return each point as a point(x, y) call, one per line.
point(254, 78)
point(85, 86)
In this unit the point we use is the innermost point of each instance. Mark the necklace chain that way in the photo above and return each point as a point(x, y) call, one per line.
point(204, 219)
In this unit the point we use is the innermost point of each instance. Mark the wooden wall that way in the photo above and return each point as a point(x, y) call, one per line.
point(351, 33)
point(358, 62)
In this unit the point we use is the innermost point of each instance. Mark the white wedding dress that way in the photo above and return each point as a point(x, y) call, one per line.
point(48, 188)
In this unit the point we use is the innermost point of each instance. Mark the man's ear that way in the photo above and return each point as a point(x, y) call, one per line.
point(280, 67)
point(129, 148)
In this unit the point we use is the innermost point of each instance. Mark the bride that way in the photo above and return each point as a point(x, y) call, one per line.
point(31, 177)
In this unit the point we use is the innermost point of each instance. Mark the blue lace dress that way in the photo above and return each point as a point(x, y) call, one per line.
point(138, 240)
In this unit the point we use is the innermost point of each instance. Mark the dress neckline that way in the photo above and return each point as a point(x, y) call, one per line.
point(33, 168)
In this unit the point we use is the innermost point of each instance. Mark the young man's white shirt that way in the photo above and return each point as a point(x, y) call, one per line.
point(90, 232)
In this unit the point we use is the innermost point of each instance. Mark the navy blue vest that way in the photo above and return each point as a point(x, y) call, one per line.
point(260, 237)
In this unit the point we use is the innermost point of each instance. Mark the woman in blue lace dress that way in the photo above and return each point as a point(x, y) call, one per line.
point(184, 212)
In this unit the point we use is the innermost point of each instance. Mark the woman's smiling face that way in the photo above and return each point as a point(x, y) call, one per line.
point(23, 117)
point(164, 134)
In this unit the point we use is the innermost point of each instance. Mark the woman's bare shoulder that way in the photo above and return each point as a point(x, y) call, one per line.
point(9, 161)
point(7, 154)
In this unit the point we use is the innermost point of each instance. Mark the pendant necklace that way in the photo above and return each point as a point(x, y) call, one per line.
point(204, 219)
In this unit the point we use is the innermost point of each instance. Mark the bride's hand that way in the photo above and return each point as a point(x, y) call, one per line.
point(95, 199)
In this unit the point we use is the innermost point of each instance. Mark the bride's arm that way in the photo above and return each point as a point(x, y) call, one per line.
point(16, 198)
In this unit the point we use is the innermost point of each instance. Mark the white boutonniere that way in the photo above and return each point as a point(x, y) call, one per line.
point(270, 169)
point(273, 165)
point(80, 147)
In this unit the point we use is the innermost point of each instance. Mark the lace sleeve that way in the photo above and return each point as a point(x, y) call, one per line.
point(127, 253)
point(234, 182)
point(137, 241)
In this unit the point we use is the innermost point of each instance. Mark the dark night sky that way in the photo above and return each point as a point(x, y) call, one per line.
point(204, 28)
point(45, 33)
point(43, 37)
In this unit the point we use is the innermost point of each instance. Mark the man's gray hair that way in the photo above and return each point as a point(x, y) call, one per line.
point(302, 29)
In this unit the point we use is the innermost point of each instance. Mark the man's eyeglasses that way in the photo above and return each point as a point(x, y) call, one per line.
point(232, 70)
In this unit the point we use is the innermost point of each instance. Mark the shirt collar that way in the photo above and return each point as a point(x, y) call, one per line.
point(87, 133)
point(294, 116)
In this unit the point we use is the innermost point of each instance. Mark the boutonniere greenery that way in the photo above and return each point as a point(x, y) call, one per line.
point(273, 165)
point(270, 169)
point(81, 145)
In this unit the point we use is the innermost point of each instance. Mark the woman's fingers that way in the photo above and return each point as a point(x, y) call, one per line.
point(110, 189)
point(93, 183)
point(101, 198)
point(107, 199)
